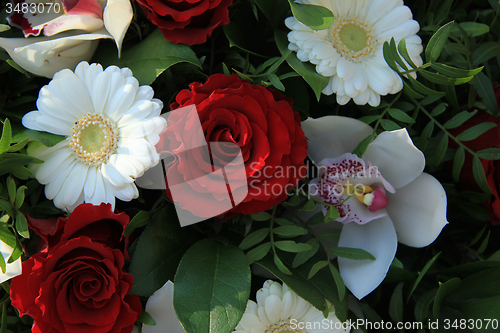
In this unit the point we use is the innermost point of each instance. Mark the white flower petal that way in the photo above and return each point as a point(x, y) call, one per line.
point(396, 157)
point(332, 136)
point(161, 307)
point(117, 17)
point(13, 269)
point(72, 187)
point(379, 238)
point(52, 166)
point(29, 120)
point(418, 211)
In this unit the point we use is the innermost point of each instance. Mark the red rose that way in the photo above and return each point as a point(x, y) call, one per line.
point(77, 283)
point(187, 21)
point(235, 116)
point(489, 139)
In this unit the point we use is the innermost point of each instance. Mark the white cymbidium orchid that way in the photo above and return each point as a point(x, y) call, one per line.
point(389, 197)
point(161, 307)
point(11, 270)
point(71, 33)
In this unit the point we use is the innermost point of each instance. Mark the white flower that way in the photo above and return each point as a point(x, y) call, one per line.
point(111, 125)
point(279, 309)
point(161, 307)
point(13, 269)
point(71, 33)
point(412, 211)
point(350, 50)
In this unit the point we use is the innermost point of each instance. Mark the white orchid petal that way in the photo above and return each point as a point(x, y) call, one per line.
point(11, 270)
point(69, 22)
point(332, 136)
point(161, 307)
point(418, 211)
point(379, 238)
point(117, 17)
point(396, 157)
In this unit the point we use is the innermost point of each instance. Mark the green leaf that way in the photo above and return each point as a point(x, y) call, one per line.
point(441, 150)
point(316, 219)
point(294, 201)
point(352, 253)
point(22, 225)
point(420, 88)
point(473, 29)
point(459, 119)
point(479, 176)
point(426, 134)
point(478, 285)
point(282, 221)
point(369, 119)
point(423, 304)
point(316, 267)
point(396, 304)
point(339, 282)
point(6, 139)
point(485, 52)
point(441, 79)
point(307, 70)
point(47, 139)
point(401, 116)
point(302, 257)
point(159, 250)
point(396, 55)
point(437, 42)
point(151, 57)
point(258, 253)
point(439, 109)
point(309, 206)
point(316, 290)
point(484, 243)
point(276, 82)
point(475, 131)
point(254, 238)
point(455, 72)
point(290, 231)
point(4, 27)
point(404, 52)
point(484, 89)
point(332, 235)
point(362, 147)
point(139, 220)
point(458, 163)
point(212, 286)
point(235, 34)
point(389, 57)
point(7, 207)
point(20, 197)
point(281, 266)
point(489, 154)
point(146, 319)
point(11, 188)
point(408, 90)
point(444, 289)
point(275, 11)
point(331, 214)
point(262, 216)
point(18, 146)
point(2, 263)
point(315, 17)
point(389, 125)
point(291, 246)
point(422, 273)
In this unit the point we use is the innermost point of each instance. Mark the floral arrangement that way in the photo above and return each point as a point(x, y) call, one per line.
point(249, 166)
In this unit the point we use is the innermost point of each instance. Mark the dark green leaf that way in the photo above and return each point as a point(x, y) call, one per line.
point(396, 304)
point(302, 257)
point(291, 246)
point(401, 116)
point(458, 163)
point(404, 52)
point(258, 253)
point(339, 282)
point(455, 72)
point(426, 134)
point(22, 225)
point(282, 221)
point(20, 197)
point(18, 146)
point(47, 139)
point(2, 263)
point(6, 139)
point(281, 266)
point(475, 131)
point(276, 82)
point(159, 250)
point(440, 108)
point(294, 201)
point(486, 51)
point(11, 188)
point(309, 206)
point(484, 88)
point(437, 42)
point(362, 146)
point(332, 234)
point(411, 92)
point(316, 267)
point(420, 88)
point(306, 70)
point(423, 304)
point(389, 125)
point(479, 176)
point(290, 231)
point(422, 273)
point(212, 286)
point(140, 220)
point(473, 29)
point(396, 55)
point(254, 238)
point(489, 154)
point(146, 319)
point(331, 214)
point(262, 216)
point(441, 149)
point(389, 58)
point(441, 79)
point(315, 17)
point(352, 253)
point(444, 289)
point(451, 96)
point(484, 243)
point(369, 119)
point(478, 285)
point(459, 119)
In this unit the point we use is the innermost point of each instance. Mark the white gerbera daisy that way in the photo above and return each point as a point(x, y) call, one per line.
point(350, 51)
point(111, 125)
point(279, 309)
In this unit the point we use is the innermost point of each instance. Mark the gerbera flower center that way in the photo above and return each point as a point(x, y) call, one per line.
point(284, 327)
point(93, 139)
point(352, 38)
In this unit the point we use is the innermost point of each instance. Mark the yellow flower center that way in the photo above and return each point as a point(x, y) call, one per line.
point(363, 193)
point(284, 327)
point(353, 39)
point(93, 139)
